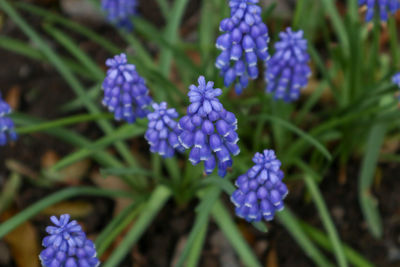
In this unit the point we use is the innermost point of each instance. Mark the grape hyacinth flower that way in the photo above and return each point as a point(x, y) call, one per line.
point(243, 43)
point(396, 80)
point(125, 92)
point(162, 132)
point(7, 131)
point(287, 72)
point(67, 245)
point(208, 129)
point(383, 7)
point(260, 191)
point(118, 12)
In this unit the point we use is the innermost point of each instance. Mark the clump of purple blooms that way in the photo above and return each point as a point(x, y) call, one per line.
point(7, 131)
point(260, 191)
point(67, 245)
point(162, 132)
point(118, 12)
point(243, 43)
point(287, 72)
point(125, 91)
point(208, 130)
point(382, 6)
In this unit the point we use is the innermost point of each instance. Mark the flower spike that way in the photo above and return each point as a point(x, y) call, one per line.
point(208, 130)
point(125, 92)
point(162, 132)
point(260, 191)
point(7, 131)
point(67, 245)
point(244, 43)
point(287, 72)
point(383, 7)
point(118, 12)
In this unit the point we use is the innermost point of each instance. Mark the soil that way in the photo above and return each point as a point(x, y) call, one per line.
point(41, 91)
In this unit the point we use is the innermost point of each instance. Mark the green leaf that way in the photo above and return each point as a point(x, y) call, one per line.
point(366, 177)
point(171, 34)
point(72, 25)
point(116, 226)
point(61, 122)
point(338, 25)
point(77, 52)
point(195, 253)
point(321, 239)
point(207, 201)
point(67, 75)
point(292, 225)
point(24, 49)
point(310, 139)
point(126, 131)
point(324, 214)
point(10, 189)
point(232, 233)
point(125, 171)
point(52, 199)
point(157, 200)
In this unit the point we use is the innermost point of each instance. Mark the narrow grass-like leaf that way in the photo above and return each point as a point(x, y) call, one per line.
point(126, 131)
point(203, 210)
point(164, 7)
point(171, 34)
point(157, 200)
point(324, 214)
point(195, 253)
point(67, 75)
point(72, 25)
point(292, 225)
point(232, 233)
point(322, 240)
point(81, 56)
point(310, 139)
point(103, 158)
point(338, 25)
point(52, 199)
point(116, 226)
point(9, 190)
point(125, 171)
point(24, 49)
point(61, 122)
point(366, 177)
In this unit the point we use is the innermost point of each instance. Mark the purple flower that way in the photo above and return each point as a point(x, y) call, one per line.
point(119, 11)
point(208, 130)
point(7, 131)
point(125, 92)
point(162, 132)
point(382, 6)
point(396, 80)
point(287, 72)
point(260, 191)
point(243, 43)
point(67, 245)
